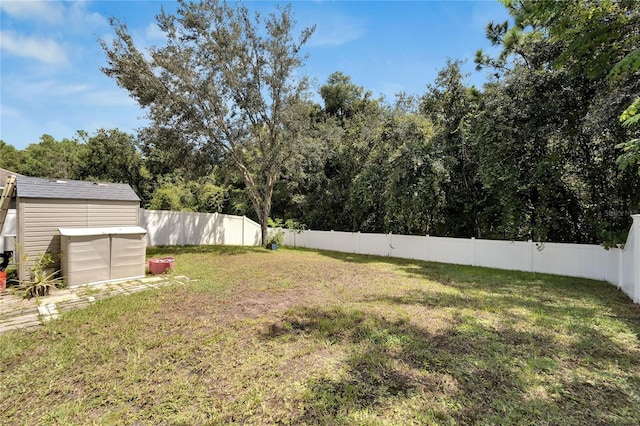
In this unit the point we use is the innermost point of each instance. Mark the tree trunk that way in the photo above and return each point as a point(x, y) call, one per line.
point(264, 228)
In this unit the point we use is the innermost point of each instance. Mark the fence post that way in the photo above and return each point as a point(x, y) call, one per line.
point(473, 242)
point(243, 218)
point(427, 254)
point(333, 243)
point(636, 261)
point(620, 267)
point(531, 248)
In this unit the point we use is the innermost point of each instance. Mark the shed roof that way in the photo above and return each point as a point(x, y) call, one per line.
point(30, 187)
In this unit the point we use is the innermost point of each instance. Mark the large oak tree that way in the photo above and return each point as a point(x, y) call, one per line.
point(225, 79)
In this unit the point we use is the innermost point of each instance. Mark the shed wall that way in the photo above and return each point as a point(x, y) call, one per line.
point(39, 220)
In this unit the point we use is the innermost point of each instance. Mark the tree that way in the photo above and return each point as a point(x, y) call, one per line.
point(225, 80)
point(452, 108)
point(112, 156)
point(589, 39)
point(51, 158)
point(10, 157)
point(399, 188)
point(552, 116)
point(343, 99)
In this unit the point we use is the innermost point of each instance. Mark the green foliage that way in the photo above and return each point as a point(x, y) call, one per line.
point(631, 115)
point(168, 197)
point(453, 108)
point(51, 159)
point(10, 158)
point(276, 236)
point(343, 99)
point(630, 157)
point(276, 233)
point(596, 40)
point(177, 194)
point(628, 64)
point(43, 279)
point(113, 156)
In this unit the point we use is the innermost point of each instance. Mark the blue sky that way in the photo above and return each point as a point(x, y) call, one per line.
point(50, 59)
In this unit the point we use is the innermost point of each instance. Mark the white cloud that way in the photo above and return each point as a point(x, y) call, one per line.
point(45, 50)
point(335, 31)
point(40, 86)
point(52, 12)
point(154, 32)
point(81, 18)
point(73, 15)
point(107, 98)
point(7, 111)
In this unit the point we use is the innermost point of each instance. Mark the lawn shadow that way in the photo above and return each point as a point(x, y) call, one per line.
point(485, 370)
point(213, 249)
point(532, 288)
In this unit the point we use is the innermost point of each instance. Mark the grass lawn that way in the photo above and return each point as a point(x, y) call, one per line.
point(307, 337)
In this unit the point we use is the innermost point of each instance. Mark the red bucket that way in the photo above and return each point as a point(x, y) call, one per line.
point(3, 280)
point(162, 265)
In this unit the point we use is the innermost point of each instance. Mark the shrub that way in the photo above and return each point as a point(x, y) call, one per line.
point(42, 279)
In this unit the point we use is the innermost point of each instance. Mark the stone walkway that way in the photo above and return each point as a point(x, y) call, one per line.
point(19, 313)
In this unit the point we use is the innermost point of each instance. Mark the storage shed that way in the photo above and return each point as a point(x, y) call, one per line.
point(91, 255)
point(45, 205)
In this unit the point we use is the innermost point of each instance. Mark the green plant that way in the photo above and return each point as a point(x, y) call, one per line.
point(276, 233)
point(276, 236)
point(42, 278)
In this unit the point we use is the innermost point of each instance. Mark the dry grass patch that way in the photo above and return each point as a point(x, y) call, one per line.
point(304, 337)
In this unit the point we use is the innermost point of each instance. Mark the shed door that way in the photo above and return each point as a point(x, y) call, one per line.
point(86, 259)
point(127, 255)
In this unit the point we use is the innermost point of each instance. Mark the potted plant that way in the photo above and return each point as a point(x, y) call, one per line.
point(276, 239)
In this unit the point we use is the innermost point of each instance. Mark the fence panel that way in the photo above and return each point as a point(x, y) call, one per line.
point(612, 266)
point(321, 240)
point(451, 250)
point(409, 247)
point(510, 255)
point(191, 228)
point(576, 260)
point(346, 242)
point(374, 244)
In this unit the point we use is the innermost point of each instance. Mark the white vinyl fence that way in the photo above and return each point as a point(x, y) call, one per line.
point(620, 267)
point(167, 228)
